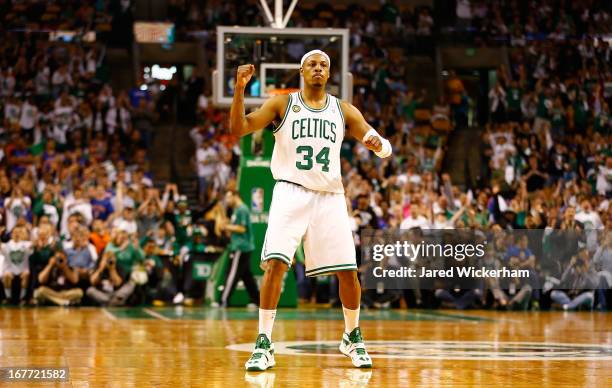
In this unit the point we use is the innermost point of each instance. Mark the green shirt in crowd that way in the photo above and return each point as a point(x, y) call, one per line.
point(181, 223)
point(40, 208)
point(389, 13)
point(242, 241)
point(514, 99)
point(126, 257)
point(408, 110)
point(542, 110)
point(40, 257)
point(156, 259)
point(601, 123)
point(581, 115)
point(558, 118)
point(191, 246)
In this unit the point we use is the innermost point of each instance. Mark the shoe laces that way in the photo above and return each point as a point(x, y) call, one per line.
point(262, 342)
point(355, 336)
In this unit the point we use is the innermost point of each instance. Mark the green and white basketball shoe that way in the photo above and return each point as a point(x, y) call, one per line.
point(353, 347)
point(263, 355)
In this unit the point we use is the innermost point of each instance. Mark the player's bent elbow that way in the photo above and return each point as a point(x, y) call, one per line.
point(238, 130)
point(243, 129)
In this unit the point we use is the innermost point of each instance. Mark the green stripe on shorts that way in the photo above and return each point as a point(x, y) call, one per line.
point(275, 255)
point(331, 268)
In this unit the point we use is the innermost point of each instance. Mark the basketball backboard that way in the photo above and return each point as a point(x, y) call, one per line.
point(276, 54)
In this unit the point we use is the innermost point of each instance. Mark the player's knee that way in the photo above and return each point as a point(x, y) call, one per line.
point(276, 267)
point(347, 276)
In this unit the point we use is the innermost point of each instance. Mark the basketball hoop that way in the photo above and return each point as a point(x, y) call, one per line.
point(273, 70)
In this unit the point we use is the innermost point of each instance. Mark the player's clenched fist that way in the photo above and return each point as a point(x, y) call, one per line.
point(244, 74)
point(373, 143)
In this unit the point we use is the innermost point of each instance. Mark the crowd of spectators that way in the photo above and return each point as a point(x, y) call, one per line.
point(82, 220)
point(517, 22)
point(56, 15)
point(80, 214)
point(545, 162)
point(108, 21)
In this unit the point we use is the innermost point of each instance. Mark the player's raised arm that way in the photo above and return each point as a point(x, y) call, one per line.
point(359, 128)
point(242, 124)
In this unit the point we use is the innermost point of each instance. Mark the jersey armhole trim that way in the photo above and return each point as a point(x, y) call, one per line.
point(342, 115)
point(286, 114)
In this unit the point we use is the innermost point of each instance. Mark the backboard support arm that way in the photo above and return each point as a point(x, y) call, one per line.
point(279, 19)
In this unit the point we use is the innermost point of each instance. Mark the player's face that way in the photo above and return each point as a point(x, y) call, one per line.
point(315, 70)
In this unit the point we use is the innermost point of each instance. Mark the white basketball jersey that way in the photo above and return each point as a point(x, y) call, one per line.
point(307, 147)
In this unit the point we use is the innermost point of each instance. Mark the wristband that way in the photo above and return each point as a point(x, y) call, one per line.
point(370, 132)
point(386, 149)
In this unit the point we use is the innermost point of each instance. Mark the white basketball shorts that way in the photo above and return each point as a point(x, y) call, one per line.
point(15, 269)
point(320, 219)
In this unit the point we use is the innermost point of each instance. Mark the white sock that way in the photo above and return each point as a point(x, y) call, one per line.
point(351, 319)
point(22, 293)
point(266, 322)
point(7, 292)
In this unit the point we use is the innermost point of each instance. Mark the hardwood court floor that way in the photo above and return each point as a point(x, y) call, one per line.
point(180, 347)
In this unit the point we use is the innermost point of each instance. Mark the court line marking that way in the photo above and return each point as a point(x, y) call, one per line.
point(155, 314)
point(109, 314)
point(448, 315)
point(471, 318)
point(452, 350)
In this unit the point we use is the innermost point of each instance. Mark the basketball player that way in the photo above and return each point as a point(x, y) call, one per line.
point(308, 199)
